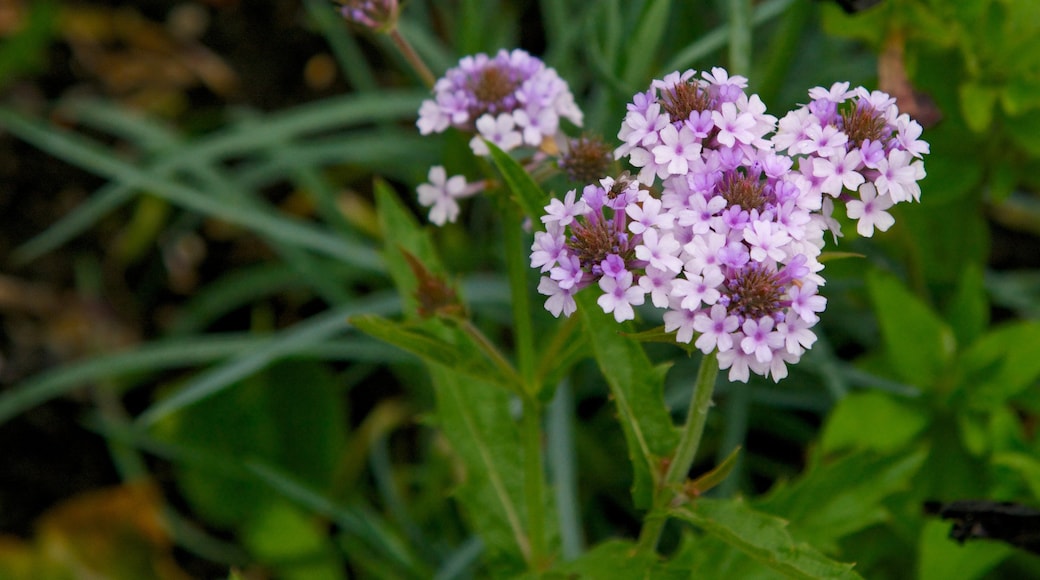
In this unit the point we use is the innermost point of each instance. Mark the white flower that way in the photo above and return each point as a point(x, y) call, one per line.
point(869, 209)
point(440, 194)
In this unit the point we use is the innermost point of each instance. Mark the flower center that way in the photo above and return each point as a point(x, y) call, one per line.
point(588, 158)
point(683, 99)
point(755, 292)
point(862, 123)
point(743, 190)
point(492, 87)
point(596, 239)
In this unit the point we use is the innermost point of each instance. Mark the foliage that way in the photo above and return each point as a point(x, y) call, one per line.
point(413, 412)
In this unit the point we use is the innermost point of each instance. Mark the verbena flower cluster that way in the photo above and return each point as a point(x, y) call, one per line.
point(724, 225)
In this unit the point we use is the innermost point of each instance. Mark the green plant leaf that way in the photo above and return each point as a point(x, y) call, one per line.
point(462, 356)
point(647, 36)
point(636, 388)
point(474, 416)
point(834, 499)
point(403, 233)
point(611, 559)
point(763, 537)
point(942, 558)
point(977, 102)
point(526, 192)
point(1001, 364)
point(917, 343)
point(292, 543)
point(856, 423)
point(968, 311)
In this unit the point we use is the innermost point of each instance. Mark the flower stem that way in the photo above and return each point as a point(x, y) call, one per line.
point(685, 452)
point(413, 58)
point(534, 480)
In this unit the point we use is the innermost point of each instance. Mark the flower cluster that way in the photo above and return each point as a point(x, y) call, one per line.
point(511, 99)
point(724, 226)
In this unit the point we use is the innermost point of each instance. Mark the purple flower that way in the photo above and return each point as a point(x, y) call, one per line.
point(510, 99)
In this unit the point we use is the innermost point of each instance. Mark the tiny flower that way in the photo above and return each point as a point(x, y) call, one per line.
point(564, 212)
point(379, 15)
point(869, 209)
point(560, 301)
point(716, 328)
point(660, 251)
point(440, 194)
point(680, 321)
point(760, 339)
point(500, 130)
point(619, 295)
point(658, 283)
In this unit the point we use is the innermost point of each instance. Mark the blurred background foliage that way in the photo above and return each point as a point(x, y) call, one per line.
point(189, 219)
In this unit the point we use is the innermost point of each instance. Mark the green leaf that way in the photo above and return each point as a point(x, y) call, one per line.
point(855, 423)
point(917, 343)
point(292, 543)
point(762, 537)
point(401, 231)
point(260, 418)
point(475, 417)
point(462, 356)
point(611, 559)
point(1001, 364)
point(977, 103)
point(647, 36)
point(717, 474)
point(835, 499)
point(968, 312)
point(637, 390)
point(528, 195)
point(941, 558)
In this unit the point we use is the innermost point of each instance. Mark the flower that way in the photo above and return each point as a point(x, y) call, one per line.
point(440, 195)
point(510, 99)
point(379, 15)
point(869, 210)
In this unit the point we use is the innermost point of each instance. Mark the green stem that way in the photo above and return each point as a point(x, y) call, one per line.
point(685, 452)
point(413, 58)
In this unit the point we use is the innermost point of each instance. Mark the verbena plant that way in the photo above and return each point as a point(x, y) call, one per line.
point(684, 232)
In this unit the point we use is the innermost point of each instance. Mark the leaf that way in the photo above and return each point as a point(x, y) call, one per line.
point(290, 416)
point(835, 499)
point(637, 390)
point(917, 343)
point(853, 423)
point(463, 358)
point(714, 477)
point(1001, 364)
point(763, 537)
point(403, 233)
point(941, 558)
point(647, 36)
point(291, 543)
point(475, 417)
point(968, 311)
point(526, 192)
point(611, 559)
point(977, 102)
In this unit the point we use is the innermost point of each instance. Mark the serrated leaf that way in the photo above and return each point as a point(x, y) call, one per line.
point(475, 418)
point(852, 424)
point(1001, 364)
point(763, 537)
point(968, 311)
point(917, 343)
point(462, 356)
point(637, 389)
point(611, 559)
point(400, 231)
point(528, 195)
point(714, 477)
point(835, 499)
